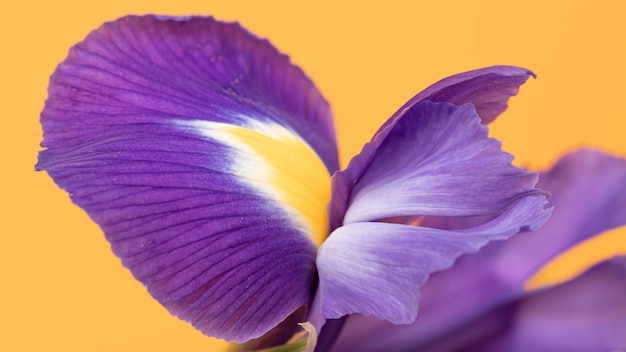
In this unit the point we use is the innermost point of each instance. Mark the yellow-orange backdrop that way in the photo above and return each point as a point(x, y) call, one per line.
point(63, 290)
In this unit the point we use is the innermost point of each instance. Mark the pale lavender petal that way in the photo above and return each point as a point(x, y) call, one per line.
point(488, 89)
point(438, 160)
point(589, 197)
point(377, 269)
point(151, 126)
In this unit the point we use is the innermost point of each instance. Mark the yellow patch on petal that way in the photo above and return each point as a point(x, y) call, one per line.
point(281, 165)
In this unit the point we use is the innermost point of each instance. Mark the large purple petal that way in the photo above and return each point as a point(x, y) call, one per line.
point(488, 89)
point(194, 145)
point(438, 160)
point(378, 268)
point(149, 69)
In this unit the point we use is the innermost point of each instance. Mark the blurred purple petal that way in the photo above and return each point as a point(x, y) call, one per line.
point(588, 191)
point(585, 314)
point(488, 89)
point(378, 268)
point(438, 160)
point(172, 134)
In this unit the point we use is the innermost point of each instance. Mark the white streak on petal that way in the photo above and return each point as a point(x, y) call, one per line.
point(278, 164)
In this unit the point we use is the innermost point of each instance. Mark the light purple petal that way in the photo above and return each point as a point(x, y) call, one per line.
point(438, 160)
point(488, 89)
point(147, 127)
point(378, 268)
point(589, 197)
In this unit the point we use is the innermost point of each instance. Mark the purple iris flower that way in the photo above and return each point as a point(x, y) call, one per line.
point(480, 304)
point(210, 163)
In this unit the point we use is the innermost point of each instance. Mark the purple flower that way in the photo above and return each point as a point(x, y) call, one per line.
point(210, 163)
point(480, 304)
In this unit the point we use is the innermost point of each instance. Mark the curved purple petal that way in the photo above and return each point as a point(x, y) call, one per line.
point(488, 89)
point(378, 268)
point(194, 145)
point(588, 196)
point(438, 160)
point(149, 69)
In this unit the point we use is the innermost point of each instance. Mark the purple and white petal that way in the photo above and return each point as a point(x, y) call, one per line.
point(377, 269)
point(196, 147)
point(488, 89)
point(438, 161)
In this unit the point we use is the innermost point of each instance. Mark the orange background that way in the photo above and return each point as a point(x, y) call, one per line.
point(63, 290)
